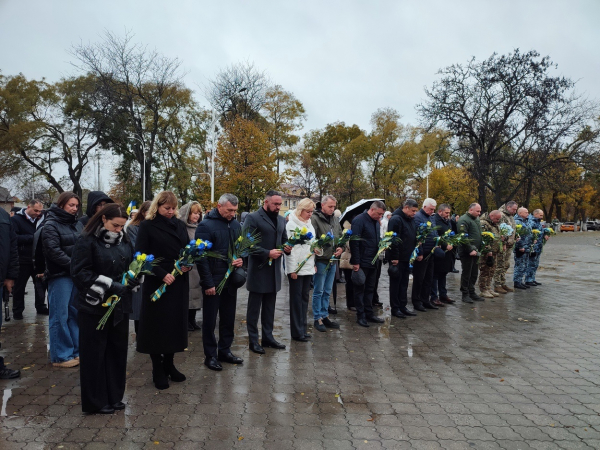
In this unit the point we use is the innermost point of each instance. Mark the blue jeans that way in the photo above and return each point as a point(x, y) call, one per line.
point(323, 284)
point(64, 331)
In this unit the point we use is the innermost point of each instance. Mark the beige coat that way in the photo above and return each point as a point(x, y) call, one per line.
point(195, 289)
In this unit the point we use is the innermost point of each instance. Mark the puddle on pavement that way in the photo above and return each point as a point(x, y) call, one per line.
point(5, 396)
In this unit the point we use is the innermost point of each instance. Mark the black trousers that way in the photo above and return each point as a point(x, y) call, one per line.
point(379, 265)
point(422, 280)
point(27, 271)
point(349, 288)
point(256, 302)
point(224, 306)
point(299, 295)
point(103, 361)
point(468, 275)
point(399, 288)
point(363, 295)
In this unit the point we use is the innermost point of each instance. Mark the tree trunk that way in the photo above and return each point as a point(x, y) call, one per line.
point(481, 193)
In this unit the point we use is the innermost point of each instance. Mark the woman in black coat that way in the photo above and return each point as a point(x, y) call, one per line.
point(100, 258)
point(163, 323)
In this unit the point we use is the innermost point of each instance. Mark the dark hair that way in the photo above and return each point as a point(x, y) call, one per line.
point(64, 198)
point(444, 207)
point(511, 203)
point(110, 211)
point(15, 209)
point(272, 193)
point(378, 205)
point(141, 214)
point(410, 203)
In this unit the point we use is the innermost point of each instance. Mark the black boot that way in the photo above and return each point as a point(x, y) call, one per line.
point(161, 381)
point(170, 369)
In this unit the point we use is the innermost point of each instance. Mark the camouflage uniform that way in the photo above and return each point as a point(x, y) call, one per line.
point(534, 257)
point(521, 262)
point(503, 263)
point(486, 273)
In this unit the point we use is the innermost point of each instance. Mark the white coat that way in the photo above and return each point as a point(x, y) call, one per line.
point(299, 252)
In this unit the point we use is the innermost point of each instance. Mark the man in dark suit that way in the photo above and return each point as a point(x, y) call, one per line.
point(264, 271)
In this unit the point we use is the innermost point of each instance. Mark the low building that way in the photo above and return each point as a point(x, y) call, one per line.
point(7, 201)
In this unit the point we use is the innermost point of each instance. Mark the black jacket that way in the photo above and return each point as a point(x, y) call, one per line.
point(9, 256)
point(364, 250)
point(25, 230)
point(221, 233)
point(93, 257)
point(443, 265)
point(94, 197)
point(429, 244)
point(61, 231)
point(406, 229)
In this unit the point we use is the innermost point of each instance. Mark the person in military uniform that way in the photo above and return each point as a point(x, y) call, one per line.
point(503, 259)
point(522, 249)
point(535, 222)
point(488, 261)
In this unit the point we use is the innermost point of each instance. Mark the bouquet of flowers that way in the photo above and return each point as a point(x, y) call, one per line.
point(322, 242)
point(141, 265)
point(547, 232)
point(299, 236)
point(506, 230)
point(243, 246)
point(536, 233)
point(188, 256)
point(423, 230)
point(384, 244)
point(487, 241)
point(521, 230)
point(346, 237)
point(452, 238)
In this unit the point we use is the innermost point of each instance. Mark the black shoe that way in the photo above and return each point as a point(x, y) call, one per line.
point(273, 344)
point(375, 319)
point(331, 311)
point(537, 283)
point(408, 313)
point(300, 339)
point(308, 336)
point(455, 271)
point(530, 283)
point(378, 303)
point(466, 299)
point(429, 306)
point(9, 374)
point(520, 286)
point(43, 311)
point(106, 410)
point(398, 314)
point(256, 348)
point(351, 308)
point(213, 364)
point(174, 374)
point(17, 316)
point(419, 308)
point(319, 326)
point(229, 358)
point(331, 324)
point(476, 298)
point(362, 323)
point(119, 406)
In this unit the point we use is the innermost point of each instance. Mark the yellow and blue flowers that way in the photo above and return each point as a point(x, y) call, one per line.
point(384, 244)
point(245, 245)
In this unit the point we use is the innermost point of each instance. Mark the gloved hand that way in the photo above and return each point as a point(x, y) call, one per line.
point(133, 284)
point(118, 289)
point(533, 254)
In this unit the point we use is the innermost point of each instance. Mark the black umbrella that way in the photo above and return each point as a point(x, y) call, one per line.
point(354, 210)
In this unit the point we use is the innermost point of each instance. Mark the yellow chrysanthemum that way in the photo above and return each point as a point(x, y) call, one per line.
point(428, 224)
point(304, 230)
point(535, 231)
point(389, 233)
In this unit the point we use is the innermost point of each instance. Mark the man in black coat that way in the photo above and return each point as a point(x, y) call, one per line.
point(221, 228)
point(443, 263)
point(366, 225)
point(264, 271)
point(423, 266)
point(25, 222)
point(403, 224)
point(9, 271)
point(95, 201)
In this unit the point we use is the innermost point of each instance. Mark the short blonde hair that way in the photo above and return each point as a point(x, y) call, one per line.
point(305, 203)
point(162, 198)
point(196, 208)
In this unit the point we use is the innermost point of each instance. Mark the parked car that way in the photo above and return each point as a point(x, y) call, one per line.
point(592, 226)
point(567, 226)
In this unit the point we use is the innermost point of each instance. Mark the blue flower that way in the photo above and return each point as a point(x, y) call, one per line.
point(202, 246)
point(349, 232)
point(330, 234)
point(208, 244)
point(136, 254)
point(149, 258)
point(309, 235)
point(249, 236)
point(452, 233)
point(193, 242)
point(395, 234)
point(466, 234)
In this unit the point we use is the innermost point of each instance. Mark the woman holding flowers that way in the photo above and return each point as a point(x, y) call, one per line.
point(98, 262)
point(191, 215)
point(300, 281)
point(163, 323)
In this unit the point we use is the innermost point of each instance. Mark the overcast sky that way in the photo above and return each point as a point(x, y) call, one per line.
point(342, 59)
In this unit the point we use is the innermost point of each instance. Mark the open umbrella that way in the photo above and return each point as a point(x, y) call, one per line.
point(354, 210)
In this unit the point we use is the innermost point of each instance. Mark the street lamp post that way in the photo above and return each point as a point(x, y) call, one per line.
point(137, 138)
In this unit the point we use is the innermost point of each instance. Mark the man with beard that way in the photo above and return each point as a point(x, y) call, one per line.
point(403, 224)
point(443, 262)
point(503, 259)
point(264, 271)
point(220, 228)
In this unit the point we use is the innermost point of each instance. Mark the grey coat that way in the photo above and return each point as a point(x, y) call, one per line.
point(266, 279)
point(195, 289)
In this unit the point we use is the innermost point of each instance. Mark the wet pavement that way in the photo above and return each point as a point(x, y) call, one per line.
point(517, 372)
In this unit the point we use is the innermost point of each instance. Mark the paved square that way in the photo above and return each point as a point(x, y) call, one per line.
point(517, 372)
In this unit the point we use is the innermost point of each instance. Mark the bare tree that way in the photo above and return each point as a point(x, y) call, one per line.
point(142, 84)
